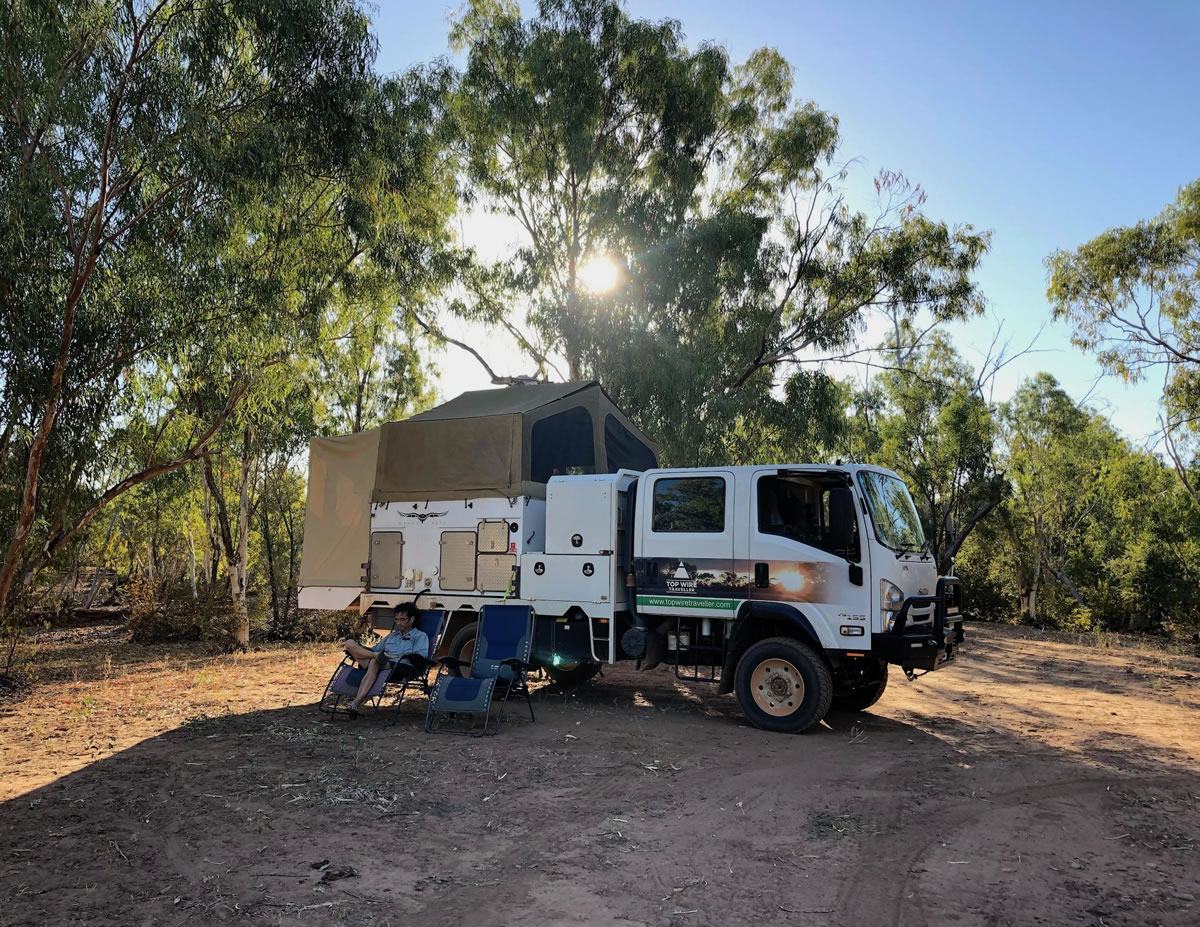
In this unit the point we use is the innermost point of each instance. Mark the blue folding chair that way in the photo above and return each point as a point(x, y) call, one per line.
point(411, 670)
point(499, 667)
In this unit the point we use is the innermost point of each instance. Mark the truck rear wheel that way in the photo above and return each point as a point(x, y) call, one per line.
point(863, 698)
point(463, 647)
point(783, 685)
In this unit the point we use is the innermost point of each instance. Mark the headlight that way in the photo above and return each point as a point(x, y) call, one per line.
point(890, 600)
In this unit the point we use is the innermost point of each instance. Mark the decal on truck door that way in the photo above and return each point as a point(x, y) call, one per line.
point(684, 583)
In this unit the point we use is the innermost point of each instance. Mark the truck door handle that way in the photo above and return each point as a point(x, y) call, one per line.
point(762, 575)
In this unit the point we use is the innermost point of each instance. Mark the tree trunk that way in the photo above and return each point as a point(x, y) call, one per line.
point(1065, 580)
point(266, 530)
point(224, 533)
point(291, 586)
point(210, 572)
point(192, 562)
point(241, 606)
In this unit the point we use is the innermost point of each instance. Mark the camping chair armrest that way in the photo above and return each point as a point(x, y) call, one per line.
point(417, 661)
point(451, 661)
point(517, 664)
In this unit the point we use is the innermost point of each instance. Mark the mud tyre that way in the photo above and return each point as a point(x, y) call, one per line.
point(570, 677)
point(463, 647)
point(783, 685)
point(863, 698)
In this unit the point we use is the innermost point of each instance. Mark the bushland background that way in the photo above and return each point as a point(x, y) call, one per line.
point(225, 232)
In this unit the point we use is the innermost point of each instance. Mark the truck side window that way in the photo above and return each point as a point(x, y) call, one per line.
point(806, 511)
point(694, 504)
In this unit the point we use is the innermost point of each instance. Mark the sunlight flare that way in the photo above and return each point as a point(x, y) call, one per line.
point(599, 274)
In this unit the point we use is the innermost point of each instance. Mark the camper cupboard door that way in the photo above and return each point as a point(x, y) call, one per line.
point(686, 564)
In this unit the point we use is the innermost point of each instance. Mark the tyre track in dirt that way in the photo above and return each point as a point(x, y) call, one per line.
point(887, 865)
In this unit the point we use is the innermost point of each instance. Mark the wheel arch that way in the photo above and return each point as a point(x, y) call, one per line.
point(758, 621)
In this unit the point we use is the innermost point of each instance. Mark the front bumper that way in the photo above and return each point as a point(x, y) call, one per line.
point(926, 646)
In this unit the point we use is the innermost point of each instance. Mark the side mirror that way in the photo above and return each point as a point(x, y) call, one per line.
point(856, 574)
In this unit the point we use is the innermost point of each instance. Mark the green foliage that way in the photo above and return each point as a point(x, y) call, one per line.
point(926, 419)
point(719, 200)
point(1131, 296)
point(208, 193)
point(1096, 534)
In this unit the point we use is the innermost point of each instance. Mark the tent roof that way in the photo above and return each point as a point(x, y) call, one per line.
point(509, 401)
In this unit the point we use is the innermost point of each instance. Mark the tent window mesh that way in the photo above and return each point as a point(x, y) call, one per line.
point(562, 444)
point(623, 450)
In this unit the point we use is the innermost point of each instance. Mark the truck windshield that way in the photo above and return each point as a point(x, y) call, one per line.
point(892, 511)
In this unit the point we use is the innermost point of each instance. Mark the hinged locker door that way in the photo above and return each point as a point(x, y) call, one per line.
point(387, 560)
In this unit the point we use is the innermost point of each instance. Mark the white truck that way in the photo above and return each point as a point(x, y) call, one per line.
point(795, 587)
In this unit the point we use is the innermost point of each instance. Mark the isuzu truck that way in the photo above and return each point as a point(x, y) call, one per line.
point(794, 586)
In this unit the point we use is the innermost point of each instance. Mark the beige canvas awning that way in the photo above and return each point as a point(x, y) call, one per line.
point(337, 516)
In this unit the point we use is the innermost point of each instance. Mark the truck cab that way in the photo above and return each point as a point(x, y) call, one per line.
point(794, 586)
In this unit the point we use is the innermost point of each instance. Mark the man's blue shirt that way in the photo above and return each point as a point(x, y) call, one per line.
point(397, 645)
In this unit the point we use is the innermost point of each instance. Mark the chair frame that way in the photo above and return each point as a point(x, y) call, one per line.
point(418, 677)
point(519, 683)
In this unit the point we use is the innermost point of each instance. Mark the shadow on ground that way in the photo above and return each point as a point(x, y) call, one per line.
point(633, 800)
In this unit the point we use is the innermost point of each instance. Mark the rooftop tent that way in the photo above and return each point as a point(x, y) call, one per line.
point(507, 442)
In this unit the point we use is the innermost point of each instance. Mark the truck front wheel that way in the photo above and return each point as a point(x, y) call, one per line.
point(783, 685)
point(864, 697)
point(570, 676)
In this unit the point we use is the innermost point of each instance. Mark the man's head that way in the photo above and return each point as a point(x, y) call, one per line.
point(406, 616)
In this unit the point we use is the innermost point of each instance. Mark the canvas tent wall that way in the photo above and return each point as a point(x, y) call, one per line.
point(337, 516)
point(507, 442)
point(498, 442)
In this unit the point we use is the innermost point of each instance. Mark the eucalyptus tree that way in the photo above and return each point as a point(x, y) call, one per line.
point(928, 420)
point(189, 185)
point(1132, 296)
point(718, 200)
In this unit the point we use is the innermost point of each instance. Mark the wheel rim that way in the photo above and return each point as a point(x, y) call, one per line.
point(777, 687)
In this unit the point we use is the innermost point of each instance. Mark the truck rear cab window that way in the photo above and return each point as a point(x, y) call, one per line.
point(623, 450)
point(817, 512)
point(694, 505)
point(561, 445)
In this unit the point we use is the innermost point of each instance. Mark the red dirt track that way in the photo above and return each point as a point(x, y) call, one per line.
point(1032, 782)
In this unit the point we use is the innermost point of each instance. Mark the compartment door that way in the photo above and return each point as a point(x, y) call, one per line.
point(456, 566)
point(387, 560)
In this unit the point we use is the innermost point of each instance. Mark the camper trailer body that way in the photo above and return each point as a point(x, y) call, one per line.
point(702, 568)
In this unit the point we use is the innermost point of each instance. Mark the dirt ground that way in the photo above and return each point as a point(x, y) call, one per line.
point(1033, 782)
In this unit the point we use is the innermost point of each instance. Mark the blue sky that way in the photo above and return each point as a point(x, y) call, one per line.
point(1046, 123)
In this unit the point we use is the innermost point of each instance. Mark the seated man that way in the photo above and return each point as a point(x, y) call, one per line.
point(403, 640)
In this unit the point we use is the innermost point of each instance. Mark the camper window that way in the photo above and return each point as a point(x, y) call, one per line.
point(692, 505)
point(623, 450)
point(561, 445)
point(810, 511)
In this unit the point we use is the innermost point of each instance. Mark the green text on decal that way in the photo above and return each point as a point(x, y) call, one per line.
point(670, 601)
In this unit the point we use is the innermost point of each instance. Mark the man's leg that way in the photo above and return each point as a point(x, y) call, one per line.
point(358, 651)
point(368, 680)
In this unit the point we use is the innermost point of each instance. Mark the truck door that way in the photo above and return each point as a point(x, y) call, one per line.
point(805, 548)
point(684, 549)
